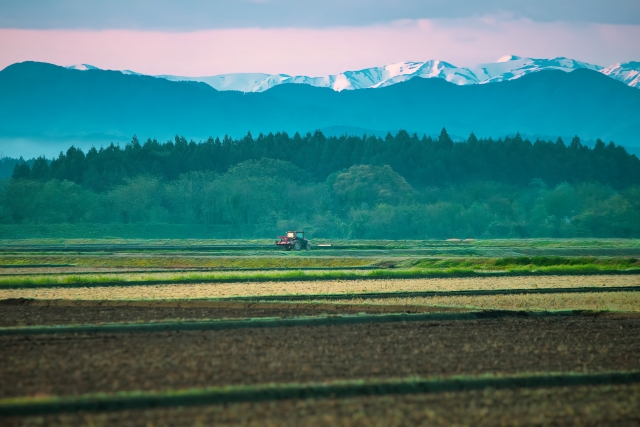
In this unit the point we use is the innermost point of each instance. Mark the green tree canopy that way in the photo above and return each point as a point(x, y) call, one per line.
point(370, 185)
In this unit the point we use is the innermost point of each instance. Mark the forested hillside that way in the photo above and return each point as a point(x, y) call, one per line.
point(401, 186)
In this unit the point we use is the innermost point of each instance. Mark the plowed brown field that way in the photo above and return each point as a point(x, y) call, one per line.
point(21, 313)
point(82, 363)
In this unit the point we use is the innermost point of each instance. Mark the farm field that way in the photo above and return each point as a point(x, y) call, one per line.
point(452, 338)
point(317, 289)
point(109, 362)
point(594, 405)
point(78, 312)
point(603, 301)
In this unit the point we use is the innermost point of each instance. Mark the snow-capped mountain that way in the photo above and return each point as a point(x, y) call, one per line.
point(512, 67)
point(87, 67)
point(349, 80)
point(506, 68)
point(509, 67)
point(243, 82)
point(628, 73)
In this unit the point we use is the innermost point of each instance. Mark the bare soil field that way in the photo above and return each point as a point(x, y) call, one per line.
point(588, 405)
point(71, 364)
point(22, 313)
point(221, 290)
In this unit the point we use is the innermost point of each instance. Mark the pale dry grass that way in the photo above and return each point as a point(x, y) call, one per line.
point(607, 301)
point(221, 290)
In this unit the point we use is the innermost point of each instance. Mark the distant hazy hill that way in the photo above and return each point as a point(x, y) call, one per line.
point(44, 102)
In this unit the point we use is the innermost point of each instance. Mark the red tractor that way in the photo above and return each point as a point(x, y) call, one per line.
point(293, 240)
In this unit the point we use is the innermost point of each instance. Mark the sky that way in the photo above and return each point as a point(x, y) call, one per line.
point(304, 37)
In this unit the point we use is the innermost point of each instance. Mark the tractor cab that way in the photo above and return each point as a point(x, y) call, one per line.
point(293, 240)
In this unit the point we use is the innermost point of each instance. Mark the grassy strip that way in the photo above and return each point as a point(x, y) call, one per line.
point(269, 392)
point(283, 260)
point(106, 280)
point(35, 265)
point(289, 261)
point(559, 243)
point(271, 322)
point(192, 270)
point(529, 263)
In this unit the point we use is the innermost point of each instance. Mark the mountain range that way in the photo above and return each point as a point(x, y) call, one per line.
point(45, 108)
point(508, 67)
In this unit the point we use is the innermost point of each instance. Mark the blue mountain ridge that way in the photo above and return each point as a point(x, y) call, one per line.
point(55, 107)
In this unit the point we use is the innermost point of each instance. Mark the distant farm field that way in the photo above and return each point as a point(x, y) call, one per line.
point(233, 332)
point(605, 301)
point(315, 288)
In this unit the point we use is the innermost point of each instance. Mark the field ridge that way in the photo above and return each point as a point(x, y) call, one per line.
point(331, 389)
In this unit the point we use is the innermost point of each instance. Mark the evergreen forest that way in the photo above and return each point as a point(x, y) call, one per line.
point(399, 187)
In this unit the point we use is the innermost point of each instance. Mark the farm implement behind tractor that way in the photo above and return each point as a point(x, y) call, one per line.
point(294, 240)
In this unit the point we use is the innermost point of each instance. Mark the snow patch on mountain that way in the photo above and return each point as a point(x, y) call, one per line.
point(628, 73)
point(430, 69)
point(513, 67)
point(82, 67)
point(87, 67)
point(243, 82)
point(507, 58)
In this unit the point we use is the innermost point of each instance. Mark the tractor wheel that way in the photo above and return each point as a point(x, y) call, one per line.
point(308, 246)
point(296, 245)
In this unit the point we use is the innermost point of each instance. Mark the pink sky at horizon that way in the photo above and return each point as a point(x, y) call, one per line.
point(309, 51)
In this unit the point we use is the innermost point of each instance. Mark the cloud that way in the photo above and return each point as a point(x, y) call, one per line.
point(197, 15)
point(319, 51)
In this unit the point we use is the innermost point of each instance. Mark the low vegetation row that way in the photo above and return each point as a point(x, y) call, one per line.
point(272, 262)
point(142, 399)
point(150, 279)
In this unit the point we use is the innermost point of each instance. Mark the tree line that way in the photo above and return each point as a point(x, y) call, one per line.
point(422, 161)
point(401, 187)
